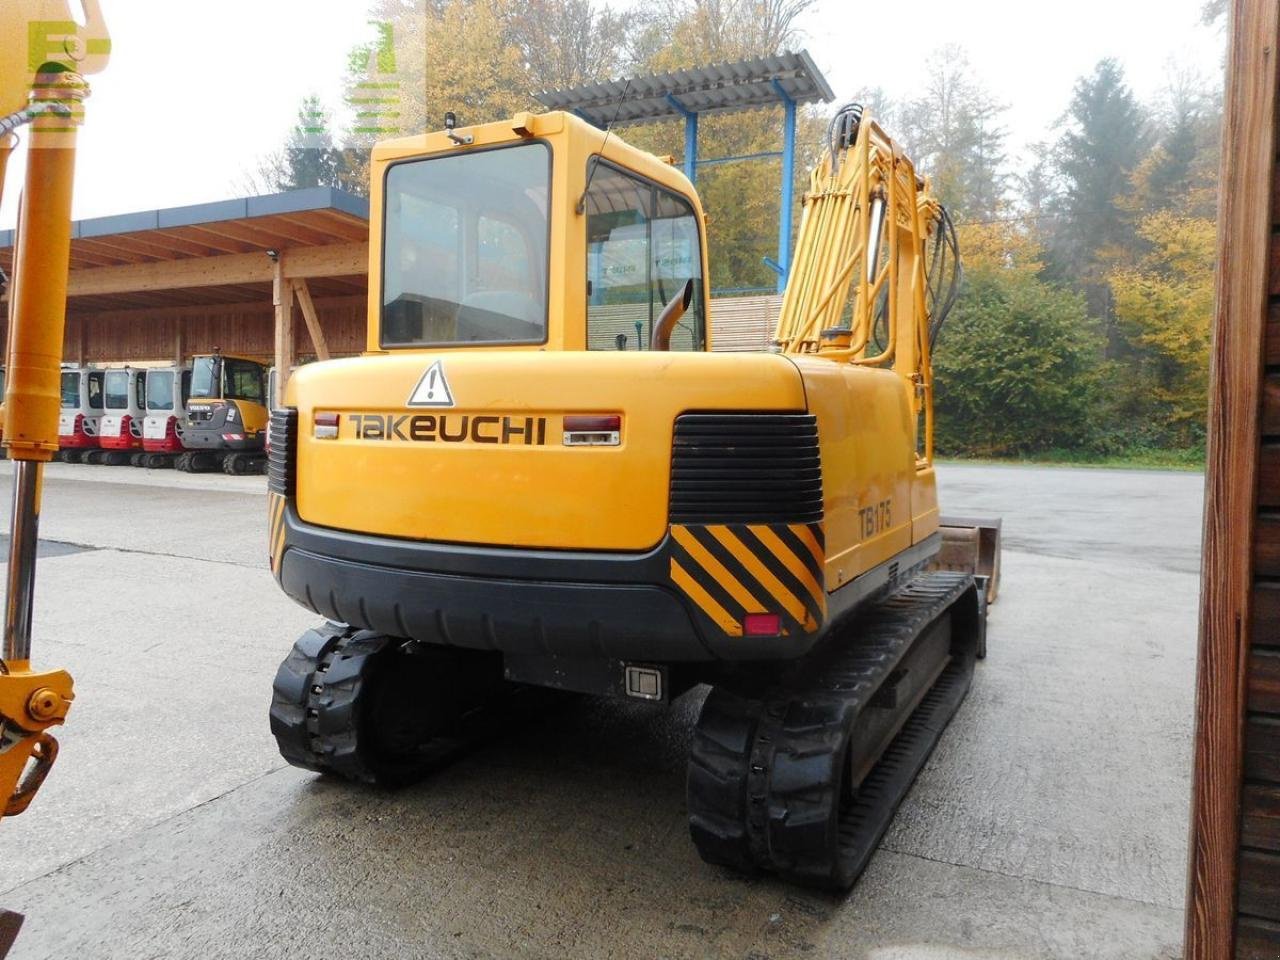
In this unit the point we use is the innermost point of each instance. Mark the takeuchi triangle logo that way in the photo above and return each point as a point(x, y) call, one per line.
point(433, 389)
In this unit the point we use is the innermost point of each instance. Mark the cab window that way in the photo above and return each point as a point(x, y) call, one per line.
point(160, 388)
point(243, 379)
point(642, 246)
point(70, 391)
point(465, 252)
point(117, 389)
point(95, 390)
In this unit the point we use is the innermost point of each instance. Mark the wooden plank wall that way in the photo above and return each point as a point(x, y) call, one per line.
point(141, 336)
point(1233, 897)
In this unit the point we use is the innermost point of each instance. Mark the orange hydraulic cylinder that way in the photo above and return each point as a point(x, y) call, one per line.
point(43, 253)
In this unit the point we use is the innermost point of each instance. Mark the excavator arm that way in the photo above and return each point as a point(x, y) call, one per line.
point(876, 271)
point(42, 89)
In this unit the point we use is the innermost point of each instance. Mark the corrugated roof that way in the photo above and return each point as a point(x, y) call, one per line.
point(718, 88)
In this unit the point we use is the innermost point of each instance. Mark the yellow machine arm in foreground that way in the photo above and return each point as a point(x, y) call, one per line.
point(41, 85)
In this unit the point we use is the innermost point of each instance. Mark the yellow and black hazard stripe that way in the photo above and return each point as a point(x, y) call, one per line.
point(275, 530)
point(731, 570)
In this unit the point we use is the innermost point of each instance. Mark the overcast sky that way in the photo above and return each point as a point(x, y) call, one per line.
point(197, 92)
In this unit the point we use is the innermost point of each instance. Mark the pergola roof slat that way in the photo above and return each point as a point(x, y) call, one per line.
point(743, 85)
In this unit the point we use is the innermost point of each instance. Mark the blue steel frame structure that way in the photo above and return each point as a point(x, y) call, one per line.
point(787, 79)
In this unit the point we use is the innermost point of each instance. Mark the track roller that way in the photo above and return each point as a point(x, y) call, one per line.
point(93, 457)
point(802, 777)
point(116, 458)
point(158, 461)
point(137, 459)
point(378, 709)
point(195, 461)
point(243, 464)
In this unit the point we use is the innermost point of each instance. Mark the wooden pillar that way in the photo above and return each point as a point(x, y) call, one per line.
point(308, 305)
point(282, 298)
point(1244, 236)
point(179, 340)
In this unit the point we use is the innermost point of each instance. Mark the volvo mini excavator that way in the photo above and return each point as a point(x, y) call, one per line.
point(482, 501)
point(226, 421)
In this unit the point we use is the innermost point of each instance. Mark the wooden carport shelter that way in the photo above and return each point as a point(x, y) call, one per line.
point(166, 284)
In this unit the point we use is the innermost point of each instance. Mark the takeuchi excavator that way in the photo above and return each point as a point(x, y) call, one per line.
point(539, 475)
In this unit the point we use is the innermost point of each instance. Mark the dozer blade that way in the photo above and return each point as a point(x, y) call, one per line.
point(972, 545)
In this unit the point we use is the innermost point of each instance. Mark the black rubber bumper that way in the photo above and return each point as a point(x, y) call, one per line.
point(596, 605)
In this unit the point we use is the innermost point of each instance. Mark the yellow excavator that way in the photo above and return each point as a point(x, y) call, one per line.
point(539, 474)
point(46, 55)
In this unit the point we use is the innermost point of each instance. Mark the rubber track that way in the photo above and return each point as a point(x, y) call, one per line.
point(315, 698)
point(765, 773)
point(316, 706)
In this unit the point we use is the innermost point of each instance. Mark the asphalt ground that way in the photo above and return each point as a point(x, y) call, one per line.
point(1050, 822)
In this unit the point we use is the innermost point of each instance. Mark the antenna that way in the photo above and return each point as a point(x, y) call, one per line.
point(582, 201)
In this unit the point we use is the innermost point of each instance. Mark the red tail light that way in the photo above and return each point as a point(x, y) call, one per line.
point(762, 624)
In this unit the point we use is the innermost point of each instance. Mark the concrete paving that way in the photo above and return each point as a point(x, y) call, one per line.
point(1051, 821)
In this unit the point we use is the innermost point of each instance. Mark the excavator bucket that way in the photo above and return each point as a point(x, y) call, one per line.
point(972, 545)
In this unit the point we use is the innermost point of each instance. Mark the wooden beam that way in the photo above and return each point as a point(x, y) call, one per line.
point(282, 299)
point(313, 320)
point(1248, 152)
point(336, 260)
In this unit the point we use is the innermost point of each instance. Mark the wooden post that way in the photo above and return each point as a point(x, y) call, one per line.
point(303, 294)
point(282, 298)
point(1244, 235)
point(179, 341)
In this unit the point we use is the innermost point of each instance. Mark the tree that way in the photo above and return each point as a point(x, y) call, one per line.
point(1016, 367)
point(1095, 159)
point(1163, 308)
point(308, 158)
point(953, 134)
point(566, 43)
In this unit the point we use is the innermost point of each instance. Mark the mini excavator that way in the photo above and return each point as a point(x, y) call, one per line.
point(538, 474)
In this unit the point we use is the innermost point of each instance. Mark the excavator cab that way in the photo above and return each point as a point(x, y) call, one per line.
point(80, 413)
point(124, 397)
point(167, 391)
point(226, 422)
point(541, 235)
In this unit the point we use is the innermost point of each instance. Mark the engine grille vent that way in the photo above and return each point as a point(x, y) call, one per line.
point(282, 437)
point(746, 468)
